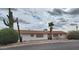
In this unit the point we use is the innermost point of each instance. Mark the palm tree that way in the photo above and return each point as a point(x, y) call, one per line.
point(51, 27)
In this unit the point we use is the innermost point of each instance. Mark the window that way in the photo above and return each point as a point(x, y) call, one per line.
point(39, 35)
point(32, 35)
point(60, 34)
point(55, 35)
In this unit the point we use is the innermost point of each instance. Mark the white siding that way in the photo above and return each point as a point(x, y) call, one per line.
point(28, 37)
point(62, 36)
point(45, 37)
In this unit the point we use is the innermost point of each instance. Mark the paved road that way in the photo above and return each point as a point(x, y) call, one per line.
point(49, 46)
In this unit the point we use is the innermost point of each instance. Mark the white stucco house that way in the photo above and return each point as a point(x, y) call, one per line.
point(41, 35)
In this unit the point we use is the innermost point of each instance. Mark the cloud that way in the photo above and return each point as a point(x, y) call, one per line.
point(38, 18)
point(14, 9)
point(23, 21)
point(56, 11)
point(73, 11)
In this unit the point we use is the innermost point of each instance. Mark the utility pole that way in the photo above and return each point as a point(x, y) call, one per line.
point(19, 30)
point(76, 27)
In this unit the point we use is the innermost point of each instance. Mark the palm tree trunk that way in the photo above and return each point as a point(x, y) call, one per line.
point(50, 35)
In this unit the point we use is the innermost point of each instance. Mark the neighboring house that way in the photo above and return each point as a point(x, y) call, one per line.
point(41, 35)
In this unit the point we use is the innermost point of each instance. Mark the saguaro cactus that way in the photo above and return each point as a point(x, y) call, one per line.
point(10, 21)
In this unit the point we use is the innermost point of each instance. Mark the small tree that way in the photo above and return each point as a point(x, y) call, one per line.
point(51, 27)
point(73, 35)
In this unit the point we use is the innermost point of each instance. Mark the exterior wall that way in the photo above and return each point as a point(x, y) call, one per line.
point(40, 38)
point(63, 36)
point(28, 37)
point(45, 37)
point(55, 38)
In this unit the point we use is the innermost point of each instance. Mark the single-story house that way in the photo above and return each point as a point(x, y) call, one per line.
point(41, 35)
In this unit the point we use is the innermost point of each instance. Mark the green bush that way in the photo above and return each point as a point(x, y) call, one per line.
point(73, 35)
point(8, 36)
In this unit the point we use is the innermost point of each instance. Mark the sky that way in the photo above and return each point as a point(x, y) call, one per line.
point(38, 18)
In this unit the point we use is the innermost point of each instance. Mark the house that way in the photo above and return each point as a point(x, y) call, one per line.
point(41, 35)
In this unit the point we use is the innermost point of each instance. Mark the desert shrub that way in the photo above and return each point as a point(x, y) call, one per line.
point(73, 35)
point(8, 36)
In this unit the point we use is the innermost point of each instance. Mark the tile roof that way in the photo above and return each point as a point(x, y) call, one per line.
point(40, 32)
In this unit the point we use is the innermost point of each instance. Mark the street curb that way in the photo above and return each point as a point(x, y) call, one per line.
point(27, 44)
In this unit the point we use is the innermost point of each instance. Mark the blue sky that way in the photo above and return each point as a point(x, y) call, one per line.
point(38, 18)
